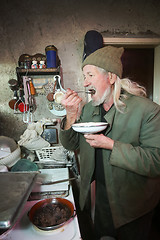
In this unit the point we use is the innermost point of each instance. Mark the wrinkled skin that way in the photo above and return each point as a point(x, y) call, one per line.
point(93, 79)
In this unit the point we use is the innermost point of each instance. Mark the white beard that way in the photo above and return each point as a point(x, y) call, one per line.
point(105, 98)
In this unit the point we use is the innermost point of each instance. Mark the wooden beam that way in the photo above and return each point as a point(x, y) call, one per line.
point(131, 41)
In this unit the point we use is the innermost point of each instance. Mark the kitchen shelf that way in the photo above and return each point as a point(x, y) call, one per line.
point(35, 72)
point(44, 71)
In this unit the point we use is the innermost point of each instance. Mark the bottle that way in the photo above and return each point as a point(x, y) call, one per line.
point(27, 62)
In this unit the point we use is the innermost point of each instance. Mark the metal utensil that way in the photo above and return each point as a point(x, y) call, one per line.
point(57, 79)
point(13, 101)
point(21, 104)
point(92, 91)
point(13, 84)
point(32, 94)
point(58, 181)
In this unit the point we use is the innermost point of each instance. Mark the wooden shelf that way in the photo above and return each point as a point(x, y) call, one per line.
point(131, 41)
point(44, 71)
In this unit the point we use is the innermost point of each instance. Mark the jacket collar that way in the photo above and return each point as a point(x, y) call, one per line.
point(109, 116)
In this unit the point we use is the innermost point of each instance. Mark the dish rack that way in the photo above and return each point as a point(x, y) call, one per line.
point(55, 156)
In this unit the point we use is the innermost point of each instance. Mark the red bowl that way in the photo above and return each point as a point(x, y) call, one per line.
point(40, 206)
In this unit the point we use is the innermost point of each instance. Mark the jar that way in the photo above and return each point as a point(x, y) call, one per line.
point(51, 56)
point(27, 62)
point(42, 64)
point(34, 64)
point(24, 61)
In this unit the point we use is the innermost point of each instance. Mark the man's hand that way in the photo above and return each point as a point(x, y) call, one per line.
point(71, 102)
point(99, 141)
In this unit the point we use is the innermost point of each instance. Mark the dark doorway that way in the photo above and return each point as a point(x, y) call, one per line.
point(138, 65)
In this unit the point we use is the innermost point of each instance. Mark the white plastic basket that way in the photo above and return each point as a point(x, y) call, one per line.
point(57, 154)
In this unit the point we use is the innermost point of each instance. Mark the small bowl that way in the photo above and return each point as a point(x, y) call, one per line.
point(89, 127)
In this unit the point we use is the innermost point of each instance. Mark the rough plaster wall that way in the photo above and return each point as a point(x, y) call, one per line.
point(29, 26)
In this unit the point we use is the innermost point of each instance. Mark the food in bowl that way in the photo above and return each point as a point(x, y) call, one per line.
point(51, 213)
point(58, 96)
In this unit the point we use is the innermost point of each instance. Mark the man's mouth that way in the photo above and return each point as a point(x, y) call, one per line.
point(92, 91)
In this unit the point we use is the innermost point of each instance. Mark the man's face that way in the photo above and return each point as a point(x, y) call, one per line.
point(94, 79)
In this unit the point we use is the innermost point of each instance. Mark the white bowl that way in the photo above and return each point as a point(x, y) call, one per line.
point(3, 168)
point(89, 127)
point(12, 158)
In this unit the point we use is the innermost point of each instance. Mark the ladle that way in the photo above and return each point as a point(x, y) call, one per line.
point(58, 85)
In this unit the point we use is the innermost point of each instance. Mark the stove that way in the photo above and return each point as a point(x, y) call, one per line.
point(24, 229)
point(52, 167)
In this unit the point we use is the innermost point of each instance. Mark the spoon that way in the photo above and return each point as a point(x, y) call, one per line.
point(91, 91)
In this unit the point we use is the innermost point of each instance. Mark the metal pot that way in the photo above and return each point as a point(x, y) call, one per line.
point(61, 203)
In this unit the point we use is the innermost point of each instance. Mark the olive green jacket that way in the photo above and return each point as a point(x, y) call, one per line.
point(132, 168)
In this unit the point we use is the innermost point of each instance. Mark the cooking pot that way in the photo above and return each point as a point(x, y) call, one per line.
point(39, 213)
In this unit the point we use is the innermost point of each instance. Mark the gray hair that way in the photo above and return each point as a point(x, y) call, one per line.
point(128, 86)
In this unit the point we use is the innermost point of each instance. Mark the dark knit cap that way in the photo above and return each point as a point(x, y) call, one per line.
point(108, 58)
point(93, 40)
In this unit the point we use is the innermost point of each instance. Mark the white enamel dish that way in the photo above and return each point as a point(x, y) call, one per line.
point(89, 127)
